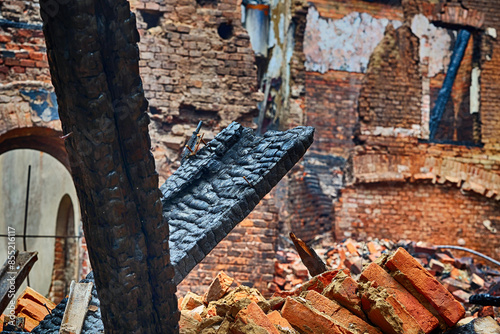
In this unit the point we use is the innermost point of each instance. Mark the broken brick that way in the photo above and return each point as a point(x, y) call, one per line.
point(375, 273)
point(252, 316)
point(407, 271)
point(307, 319)
point(339, 314)
point(219, 287)
point(191, 301)
point(344, 290)
point(386, 312)
point(277, 320)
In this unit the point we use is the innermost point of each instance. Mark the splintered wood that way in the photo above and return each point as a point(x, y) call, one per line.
point(309, 257)
point(76, 309)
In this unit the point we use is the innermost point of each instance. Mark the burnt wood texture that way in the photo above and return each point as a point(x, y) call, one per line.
point(93, 57)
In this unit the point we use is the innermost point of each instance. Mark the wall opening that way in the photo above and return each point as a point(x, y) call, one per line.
point(225, 30)
point(65, 251)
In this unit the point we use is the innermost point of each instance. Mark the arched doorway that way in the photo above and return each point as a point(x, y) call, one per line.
point(52, 211)
point(66, 262)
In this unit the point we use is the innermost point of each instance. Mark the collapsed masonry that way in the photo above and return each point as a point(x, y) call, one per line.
point(393, 295)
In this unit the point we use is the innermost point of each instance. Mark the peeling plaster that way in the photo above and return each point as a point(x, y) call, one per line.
point(342, 45)
point(392, 132)
point(436, 44)
point(436, 48)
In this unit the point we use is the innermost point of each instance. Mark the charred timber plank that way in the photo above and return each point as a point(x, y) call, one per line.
point(79, 298)
point(13, 273)
point(93, 57)
point(218, 187)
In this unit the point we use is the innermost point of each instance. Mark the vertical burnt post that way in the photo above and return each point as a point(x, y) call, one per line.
point(94, 64)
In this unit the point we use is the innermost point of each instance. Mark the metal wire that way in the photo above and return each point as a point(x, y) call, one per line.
point(471, 251)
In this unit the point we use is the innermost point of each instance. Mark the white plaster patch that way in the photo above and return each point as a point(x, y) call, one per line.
point(475, 90)
point(435, 44)
point(392, 132)
point(491, 32)
point(343, 45)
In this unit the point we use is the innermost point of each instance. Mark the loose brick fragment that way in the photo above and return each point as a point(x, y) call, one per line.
point(339, 314)
point(307, 319)
point(252, 316)
point(407, 270)
point(351, 248)
point(344, 289)
point(32, 309)
point(188, 324)
point(386, 312)
point(445, 258)
point(320, 282)
point(375, 273)
point(277, 320)
point(218, 288)
point(191, 301)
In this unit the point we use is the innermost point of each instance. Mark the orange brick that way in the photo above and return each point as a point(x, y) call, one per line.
point(409, 271)
point(218, 288)
point(372, 248)
point(320, 282)
point(387, 313)
point(29, 323)
point(254, 314)
point(375, 273)
point(309, 320)
point(344, 289)
point(32, 309)
point(191, 301)
point(351, 248)
point(341, 315)
point(277, 320)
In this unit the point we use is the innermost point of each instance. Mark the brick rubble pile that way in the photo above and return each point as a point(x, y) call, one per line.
point(374, 289)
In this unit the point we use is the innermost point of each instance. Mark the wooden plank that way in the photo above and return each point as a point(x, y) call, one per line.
point(13, 273)
point(79, 298)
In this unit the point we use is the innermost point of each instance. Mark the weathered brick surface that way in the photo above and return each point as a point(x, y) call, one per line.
point(392, 91)
point(345, 318)
point(407, 270)
point(375, 273)
point(331, 106)
point(190, 73)
point(298, 314)
point(439, 214)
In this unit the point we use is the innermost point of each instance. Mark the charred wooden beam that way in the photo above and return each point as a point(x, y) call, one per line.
point(445, 91)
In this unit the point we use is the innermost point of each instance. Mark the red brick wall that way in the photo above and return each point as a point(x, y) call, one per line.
point(331, 103)
point(440, 214)
point(22, 55)
point(392, 89)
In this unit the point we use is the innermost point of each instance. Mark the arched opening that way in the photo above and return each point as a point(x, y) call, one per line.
point(65, 267)
point(36, 138)
point(47, 200)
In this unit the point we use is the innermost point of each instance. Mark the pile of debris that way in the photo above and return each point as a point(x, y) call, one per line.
point(31, 308)
point(393, 294)
point(462, 276)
